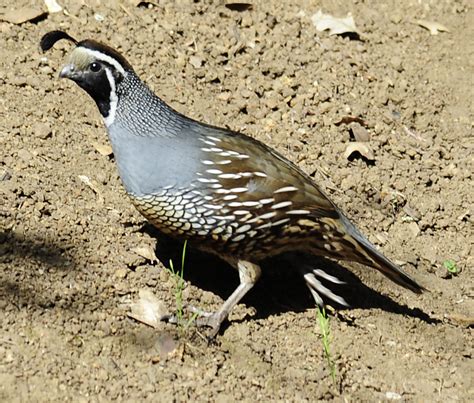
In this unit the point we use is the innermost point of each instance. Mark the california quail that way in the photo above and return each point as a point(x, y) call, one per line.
point(226, 193)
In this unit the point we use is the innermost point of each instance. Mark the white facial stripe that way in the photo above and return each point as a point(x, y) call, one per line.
point(105, 58)
point(113, 99)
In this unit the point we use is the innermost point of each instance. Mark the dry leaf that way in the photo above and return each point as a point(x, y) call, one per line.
point(335, 25)
point(147, 252)
point(88, 182)
point(360, 133)
point(148, 309)
point(349, 119)
point(432, 26)
point(361, 148)
point(52, 6)
point(22, 15)
point(103, 149)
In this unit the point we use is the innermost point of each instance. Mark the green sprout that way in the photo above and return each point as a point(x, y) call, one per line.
point(450, 266)
point(323, 322)
point(180, 285)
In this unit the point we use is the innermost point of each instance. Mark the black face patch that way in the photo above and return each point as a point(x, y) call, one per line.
point(95, 81)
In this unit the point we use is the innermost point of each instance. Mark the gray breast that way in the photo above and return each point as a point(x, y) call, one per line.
point(147, 164)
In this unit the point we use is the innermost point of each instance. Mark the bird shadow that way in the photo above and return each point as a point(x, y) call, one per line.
point(281, 288)
point(32, 247)
point(22, 255)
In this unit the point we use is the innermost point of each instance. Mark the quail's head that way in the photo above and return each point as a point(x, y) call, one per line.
point(96, 68)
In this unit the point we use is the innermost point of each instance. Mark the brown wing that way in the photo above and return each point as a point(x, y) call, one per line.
point(257, 176)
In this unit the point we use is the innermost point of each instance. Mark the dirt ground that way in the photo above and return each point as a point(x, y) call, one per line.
point(74, 254)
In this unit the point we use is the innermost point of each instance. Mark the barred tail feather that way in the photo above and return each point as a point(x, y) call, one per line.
point(379, 261)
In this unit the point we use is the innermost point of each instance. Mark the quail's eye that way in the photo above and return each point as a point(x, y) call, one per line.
point(95, 67)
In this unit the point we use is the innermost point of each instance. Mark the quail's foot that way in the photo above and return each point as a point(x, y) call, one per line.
point(211, 320)
point(199, 318)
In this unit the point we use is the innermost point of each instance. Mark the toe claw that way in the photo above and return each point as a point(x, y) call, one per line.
point(211, 320)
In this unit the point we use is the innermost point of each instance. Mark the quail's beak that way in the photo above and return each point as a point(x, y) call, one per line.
point(68, 71)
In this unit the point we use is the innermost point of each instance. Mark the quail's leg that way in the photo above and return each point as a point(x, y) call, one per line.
point(249, 274)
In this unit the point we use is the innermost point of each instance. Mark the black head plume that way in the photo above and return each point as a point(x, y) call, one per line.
point(48, 40)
